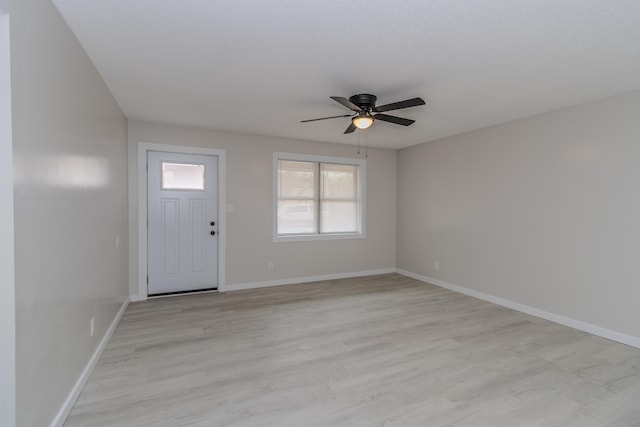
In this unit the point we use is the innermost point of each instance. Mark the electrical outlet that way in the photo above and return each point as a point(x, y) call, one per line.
point(270, 266)
point(436, 265)
point(93, 326)
point(117, 242)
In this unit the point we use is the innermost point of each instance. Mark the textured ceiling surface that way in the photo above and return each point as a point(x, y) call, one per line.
point(259, 67)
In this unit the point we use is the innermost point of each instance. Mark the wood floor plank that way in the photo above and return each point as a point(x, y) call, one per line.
point(372, 351)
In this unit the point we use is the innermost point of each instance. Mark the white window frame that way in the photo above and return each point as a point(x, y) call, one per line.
point(362, 191)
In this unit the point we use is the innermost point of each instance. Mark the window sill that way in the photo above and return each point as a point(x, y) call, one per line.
point(315, 237)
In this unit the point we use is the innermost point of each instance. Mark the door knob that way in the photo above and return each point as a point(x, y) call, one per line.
point(213, 223)
point(213, 233)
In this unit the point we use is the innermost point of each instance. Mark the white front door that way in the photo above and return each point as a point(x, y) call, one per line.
point(182, 218)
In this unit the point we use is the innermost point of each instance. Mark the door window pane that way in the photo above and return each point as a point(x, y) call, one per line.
point(182, 176)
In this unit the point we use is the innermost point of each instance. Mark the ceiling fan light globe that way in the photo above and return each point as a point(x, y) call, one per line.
point(362, 122)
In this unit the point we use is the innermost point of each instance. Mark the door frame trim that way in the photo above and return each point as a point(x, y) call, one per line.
point(143, 148)
point(7, 251)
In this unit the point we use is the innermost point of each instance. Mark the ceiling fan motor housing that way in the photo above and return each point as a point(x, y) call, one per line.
point(364, 100)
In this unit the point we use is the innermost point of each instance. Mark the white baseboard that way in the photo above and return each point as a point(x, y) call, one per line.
point(268, 283)
point(567, 321)
point(64, 411)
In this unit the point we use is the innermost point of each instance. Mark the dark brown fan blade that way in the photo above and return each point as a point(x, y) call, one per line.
point(350, 129)
point(324, 118)
point(394, 119)
point(413, 102)
point(344, 101)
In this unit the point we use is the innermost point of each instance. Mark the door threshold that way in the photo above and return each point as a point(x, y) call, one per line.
point(180, 293)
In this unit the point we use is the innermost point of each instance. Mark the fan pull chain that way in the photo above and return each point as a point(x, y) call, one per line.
point(366, 141)
point(366, 144)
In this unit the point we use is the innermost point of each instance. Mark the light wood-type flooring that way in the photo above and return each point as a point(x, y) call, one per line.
point(373, 351)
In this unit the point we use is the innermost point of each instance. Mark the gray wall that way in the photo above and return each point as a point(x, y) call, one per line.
point(249, 188)
point(543, 211)
point(70, 186)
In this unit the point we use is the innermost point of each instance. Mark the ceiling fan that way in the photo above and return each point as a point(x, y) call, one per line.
point(365, 111)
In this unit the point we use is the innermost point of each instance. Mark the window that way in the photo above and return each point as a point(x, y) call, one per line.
point(182, 176)
point(318, 197)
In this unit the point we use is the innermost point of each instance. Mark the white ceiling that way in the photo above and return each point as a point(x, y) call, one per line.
point(258, 66)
